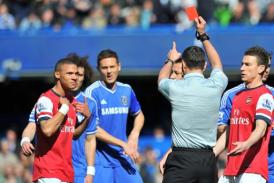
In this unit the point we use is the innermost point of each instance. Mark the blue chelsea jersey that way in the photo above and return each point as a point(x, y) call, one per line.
point(78, 145)
point(114, 106)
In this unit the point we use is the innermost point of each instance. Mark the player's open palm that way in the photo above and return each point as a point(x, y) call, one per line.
point(27, 148)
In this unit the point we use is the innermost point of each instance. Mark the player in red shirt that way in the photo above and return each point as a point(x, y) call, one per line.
point(55, 115)
point(250, 124)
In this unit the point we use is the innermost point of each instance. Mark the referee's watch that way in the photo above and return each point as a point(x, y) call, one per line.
point(168, 60)
point(202, 37)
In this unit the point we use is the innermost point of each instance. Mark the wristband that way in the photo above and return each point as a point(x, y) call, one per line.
point(91, 170)
point(24, 139)
point(168, 60)
point(64, 109)
point(202, 37)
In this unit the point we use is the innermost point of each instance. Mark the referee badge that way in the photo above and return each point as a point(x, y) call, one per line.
point(124, 100)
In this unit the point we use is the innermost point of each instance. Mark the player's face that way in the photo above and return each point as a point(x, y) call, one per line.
point(109, 69)
point(267, 71)
point(250, 70)
point(81, 76)
point(177, 71)
point(67, 76)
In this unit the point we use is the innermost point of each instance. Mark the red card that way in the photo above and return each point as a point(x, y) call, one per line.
point(191, 13)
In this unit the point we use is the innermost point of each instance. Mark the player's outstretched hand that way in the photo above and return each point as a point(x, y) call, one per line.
point(240, 147)
point(200, 24)
point(27, 148)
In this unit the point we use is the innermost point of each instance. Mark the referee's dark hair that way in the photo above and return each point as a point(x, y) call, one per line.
point(194, 57)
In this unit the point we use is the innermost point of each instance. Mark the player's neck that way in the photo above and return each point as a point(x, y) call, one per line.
point(254, 84)
point(110, 86)
point(60, 90)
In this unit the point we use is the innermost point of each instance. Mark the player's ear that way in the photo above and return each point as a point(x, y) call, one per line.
point(57, 74)
point(261, 69)
point(119, 65)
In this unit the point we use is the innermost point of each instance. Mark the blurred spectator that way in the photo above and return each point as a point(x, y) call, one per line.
point(9, 174)
point(223, 13)
point(31, 22)
point(115, 17)
point(47, 17)
point(206, 9)
point(147, 15)
point(149, 166)
point(19, 172)
point(158, 141)
point(11, 137)
point(268, 16)
point(7, 158)
point(183, 22)
point(7, 20)
point(19, 9)
point(132, 15)
point(96, 19)
point(246, 11)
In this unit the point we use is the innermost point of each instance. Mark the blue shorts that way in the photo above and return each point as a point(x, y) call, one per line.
point(79, 179)
point(116, 174)
point(270, 178)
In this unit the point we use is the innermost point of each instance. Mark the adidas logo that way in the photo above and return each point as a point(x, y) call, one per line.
point(103, 101)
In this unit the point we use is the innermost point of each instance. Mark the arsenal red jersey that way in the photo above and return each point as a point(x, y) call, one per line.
point(53, 155)
point(248, 106)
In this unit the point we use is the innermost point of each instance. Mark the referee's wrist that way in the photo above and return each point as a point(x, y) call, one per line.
point(168, 61)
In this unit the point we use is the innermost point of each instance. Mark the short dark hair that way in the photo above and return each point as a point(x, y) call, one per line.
point(263, 57)
point(194, 57)
point(62, 61)
point(108, 53)
point(83, 62)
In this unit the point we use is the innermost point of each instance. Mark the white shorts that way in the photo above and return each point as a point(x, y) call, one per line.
point(242, 178)
point(49, 180)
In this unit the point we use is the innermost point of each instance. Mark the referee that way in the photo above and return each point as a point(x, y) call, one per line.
point(195, 103)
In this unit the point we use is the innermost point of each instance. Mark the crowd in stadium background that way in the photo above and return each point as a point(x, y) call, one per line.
point(91, 14)
point(99, 14)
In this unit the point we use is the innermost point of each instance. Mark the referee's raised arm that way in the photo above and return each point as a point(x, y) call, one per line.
point(212, 54)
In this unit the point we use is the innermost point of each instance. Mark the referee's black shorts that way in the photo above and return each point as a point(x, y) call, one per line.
point(187, 165)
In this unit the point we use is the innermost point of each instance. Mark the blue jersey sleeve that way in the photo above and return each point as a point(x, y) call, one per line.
point(134, 107)
point(226, 104)
point(93, 121)
point(32, 115)
point(224, 111)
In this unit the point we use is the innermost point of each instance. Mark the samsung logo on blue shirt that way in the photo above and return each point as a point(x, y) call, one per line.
point(114, 110)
